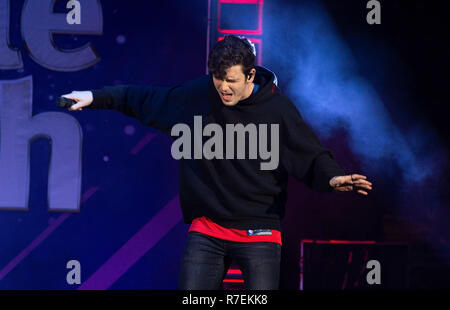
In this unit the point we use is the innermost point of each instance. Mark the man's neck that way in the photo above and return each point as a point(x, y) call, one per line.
point(250, 91)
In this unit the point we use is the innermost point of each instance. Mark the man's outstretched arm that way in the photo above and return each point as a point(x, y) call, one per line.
point(158, 107)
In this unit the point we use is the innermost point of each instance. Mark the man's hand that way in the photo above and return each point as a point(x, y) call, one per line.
point(345, 183)
point(83, 99)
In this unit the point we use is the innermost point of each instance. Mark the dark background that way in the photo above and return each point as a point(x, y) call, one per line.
point(405, 59)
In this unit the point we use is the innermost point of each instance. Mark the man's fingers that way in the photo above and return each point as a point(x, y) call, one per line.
point(345, 179)
point(357, 179)
point(357, 176)
point(362, 182)
point(345, 184)
point(350, 188)
point(76, 106)
point(344, 188)
point(70, 96)
point(364, 185)
point(352, 178)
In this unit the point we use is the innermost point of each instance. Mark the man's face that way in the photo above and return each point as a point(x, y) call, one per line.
point(235, 86)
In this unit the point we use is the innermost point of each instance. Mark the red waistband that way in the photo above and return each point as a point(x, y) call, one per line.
point(206, 226)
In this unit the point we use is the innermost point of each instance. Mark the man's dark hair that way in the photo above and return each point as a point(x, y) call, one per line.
point(231, 51)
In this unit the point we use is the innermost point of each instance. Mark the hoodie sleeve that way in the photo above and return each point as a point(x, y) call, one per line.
point(158, 107)
point(303, 155)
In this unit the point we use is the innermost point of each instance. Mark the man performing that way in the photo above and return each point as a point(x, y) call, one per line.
point(234, 204)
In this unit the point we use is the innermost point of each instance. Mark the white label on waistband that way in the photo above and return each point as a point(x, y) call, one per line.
point(259, 232)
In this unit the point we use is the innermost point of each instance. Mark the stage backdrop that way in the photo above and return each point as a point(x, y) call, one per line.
point(89, 199)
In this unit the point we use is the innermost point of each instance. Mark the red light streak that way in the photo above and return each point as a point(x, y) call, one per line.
point(234, 271)
point(233, 281)
point(338, 241)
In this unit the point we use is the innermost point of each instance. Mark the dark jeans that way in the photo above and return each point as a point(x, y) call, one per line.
point(206, 260)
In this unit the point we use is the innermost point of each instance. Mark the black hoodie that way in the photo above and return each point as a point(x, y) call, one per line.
point(234, 193)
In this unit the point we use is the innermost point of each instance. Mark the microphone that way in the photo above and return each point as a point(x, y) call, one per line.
point(64, 102)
